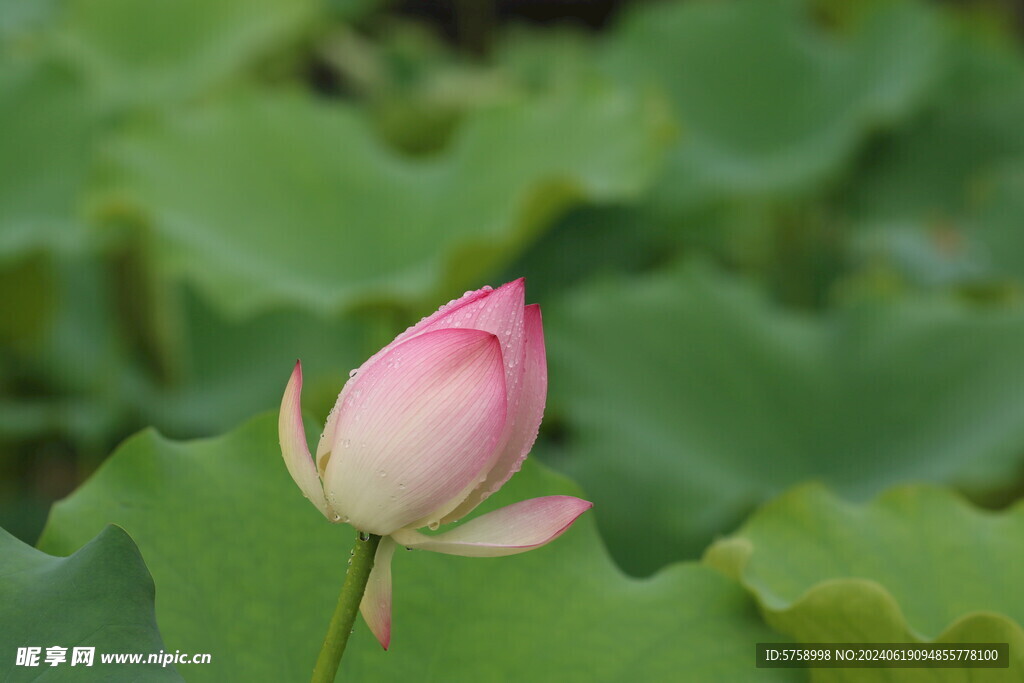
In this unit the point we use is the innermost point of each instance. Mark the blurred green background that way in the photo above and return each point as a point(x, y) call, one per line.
point(774, 240)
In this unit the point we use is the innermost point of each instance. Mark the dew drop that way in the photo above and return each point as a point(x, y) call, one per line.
point(337, 517)
point(382, 474)
point(346, 443)
point(433, 526)
point(401, 486)
point(363, 536)
point(353, 372)
point(409, 549)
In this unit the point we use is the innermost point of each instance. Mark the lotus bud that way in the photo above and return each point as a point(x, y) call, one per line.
point(425, 430)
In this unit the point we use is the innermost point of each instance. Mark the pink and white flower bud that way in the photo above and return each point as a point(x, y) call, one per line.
point(429, 427)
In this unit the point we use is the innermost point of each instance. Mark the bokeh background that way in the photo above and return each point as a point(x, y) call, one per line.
point(775, 241)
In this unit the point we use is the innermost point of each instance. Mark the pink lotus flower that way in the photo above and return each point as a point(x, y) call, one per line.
point(425, 430)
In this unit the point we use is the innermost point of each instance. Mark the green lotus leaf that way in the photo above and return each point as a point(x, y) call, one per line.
point(215, 385)
point(687, 399)
point(769, 103)
point(943, 165)
point(279, 199)
point(938, 201)
point(157, 52)
point(100, 597)
point(48, 118)
point(916, 564)
point(22, 19)
point(249, 571)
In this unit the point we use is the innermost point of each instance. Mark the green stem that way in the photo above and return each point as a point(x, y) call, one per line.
point(348, 604)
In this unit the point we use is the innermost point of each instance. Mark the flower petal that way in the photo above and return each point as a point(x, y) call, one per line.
point(501, 314)
point(485, 309)
point(416, 429)
point(376, 604)
point(495, 311)
point(524, 422)
point(509, 530)
point(294, 448)
point(453, 307)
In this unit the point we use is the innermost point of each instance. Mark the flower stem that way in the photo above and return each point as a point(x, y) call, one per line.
point(348, 604)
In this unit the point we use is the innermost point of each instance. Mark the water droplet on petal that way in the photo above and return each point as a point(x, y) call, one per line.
point(382, 473)
point(433, 526)
point(363, 536)
point(352, 372)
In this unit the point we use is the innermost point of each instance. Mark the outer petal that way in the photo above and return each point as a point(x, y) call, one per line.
point(416, 428)
point(502, 314)
point(509, 530)
point(294, 447)
point(376, 603)
point(431, 322)
point(496, 311)
point(490, 310)
point(524, 422)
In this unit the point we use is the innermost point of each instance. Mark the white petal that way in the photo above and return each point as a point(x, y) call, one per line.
point(416, 429)
point(524, 422)
point(294, 448)
point(509, 530)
